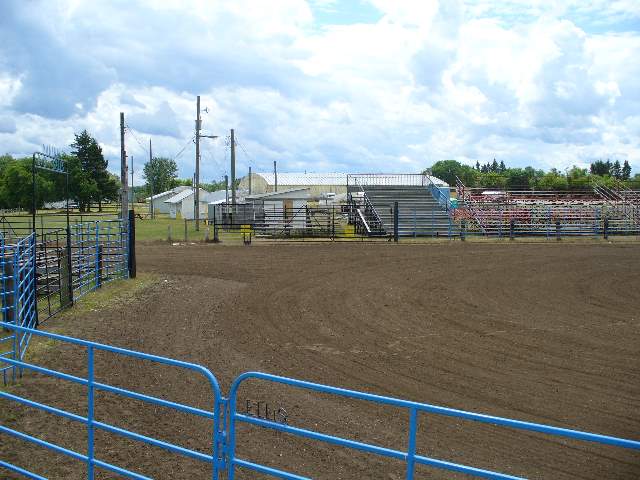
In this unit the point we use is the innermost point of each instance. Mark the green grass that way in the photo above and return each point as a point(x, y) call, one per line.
point(159, 227)
point(107, 295)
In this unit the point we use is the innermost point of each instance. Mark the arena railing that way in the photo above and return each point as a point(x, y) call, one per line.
point(409, 456)
point(215, 458)
point(225, 418)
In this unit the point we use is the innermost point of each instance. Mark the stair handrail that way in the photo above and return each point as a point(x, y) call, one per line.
point(369, 210)
point(440, 197)
point(368, 206)
point(364, 221)
point(470, 203)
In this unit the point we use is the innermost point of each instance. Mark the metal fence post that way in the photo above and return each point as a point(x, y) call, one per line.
point(463, 227)
point(66, 274)
point(16, 317)
point(333, 223)
point(395, 222)
point(98, 254)
point(511, 226)
point(9, 284)
point(132, 244)
point(411, 451)
point(98, 266)
point(185, 231)
point(414, 223)
point(90, 413)
point(169, 233)
point(215, 225)
point(558, 236)
point(606, 228)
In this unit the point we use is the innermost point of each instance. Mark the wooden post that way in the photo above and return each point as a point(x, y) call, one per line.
point(66, 286)
point(132, 244)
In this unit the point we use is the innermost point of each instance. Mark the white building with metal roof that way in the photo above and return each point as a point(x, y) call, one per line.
point(159, 205)
point(317, 183)
point(183, 203)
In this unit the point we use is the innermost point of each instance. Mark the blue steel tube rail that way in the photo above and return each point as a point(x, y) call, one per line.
point(410, 456)
point(215, 459)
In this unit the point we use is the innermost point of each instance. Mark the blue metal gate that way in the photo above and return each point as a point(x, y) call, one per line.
point(99, 253)
point(225, 418)
point(214, 459)
point(18, 271)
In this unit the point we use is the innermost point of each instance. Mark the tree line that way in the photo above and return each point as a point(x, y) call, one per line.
point(497, 175)
point(89, 181)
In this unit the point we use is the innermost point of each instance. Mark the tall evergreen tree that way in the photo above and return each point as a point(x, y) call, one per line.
point(93, 163)
point(477, 165)
point(494, 166)
point(626, 170)
point(616, 170)
point(609, 165)
point(503, 167)
point(600, 168)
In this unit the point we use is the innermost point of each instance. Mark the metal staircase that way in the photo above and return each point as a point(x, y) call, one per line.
point(419, 213)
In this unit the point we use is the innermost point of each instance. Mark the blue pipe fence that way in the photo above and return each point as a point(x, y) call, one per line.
point(17, 267)
point(99, 254)
point(224, 420)
point(32, 276)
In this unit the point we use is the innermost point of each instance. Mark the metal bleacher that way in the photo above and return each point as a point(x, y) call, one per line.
point(419, 212)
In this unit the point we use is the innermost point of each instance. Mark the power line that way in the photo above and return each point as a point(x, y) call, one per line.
point(135, 137)
point(184, 148)
point(251, 159)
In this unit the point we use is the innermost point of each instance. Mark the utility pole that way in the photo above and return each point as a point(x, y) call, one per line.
point(151, 179)
point(249, 180)
point(233, 168)
point(226, 190)
point(197, 176)
point(133, 201)
point(124, 178)
point(275, 175)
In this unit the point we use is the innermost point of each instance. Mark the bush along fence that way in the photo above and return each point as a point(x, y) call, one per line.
point(226, 418)
point(65, 263)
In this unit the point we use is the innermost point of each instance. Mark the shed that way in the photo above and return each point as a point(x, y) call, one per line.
point(283, 208)
point(159, 205)
point(183, 204)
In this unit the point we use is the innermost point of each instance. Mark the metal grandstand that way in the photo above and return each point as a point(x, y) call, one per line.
point(603, 209)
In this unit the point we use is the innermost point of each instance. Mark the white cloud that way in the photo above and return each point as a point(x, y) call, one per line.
point(527, 82)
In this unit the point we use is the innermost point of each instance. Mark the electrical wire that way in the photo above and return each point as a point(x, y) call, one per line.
point(184, 148)
point(252, 161)
point(135, 137)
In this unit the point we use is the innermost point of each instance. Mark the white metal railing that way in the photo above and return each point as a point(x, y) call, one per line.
point(389, 179)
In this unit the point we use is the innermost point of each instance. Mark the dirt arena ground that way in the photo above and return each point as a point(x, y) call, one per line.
point(546, 333)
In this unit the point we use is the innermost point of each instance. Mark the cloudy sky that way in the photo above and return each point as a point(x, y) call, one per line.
point(326, 85)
